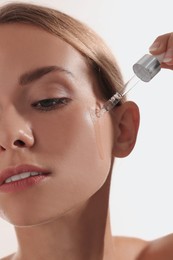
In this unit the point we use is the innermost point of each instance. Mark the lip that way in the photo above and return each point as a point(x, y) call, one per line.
point(11, 171)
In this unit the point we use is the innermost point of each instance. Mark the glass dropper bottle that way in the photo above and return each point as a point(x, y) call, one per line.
point(144, 69)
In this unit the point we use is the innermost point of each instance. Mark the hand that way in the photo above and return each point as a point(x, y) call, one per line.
point(164, 44)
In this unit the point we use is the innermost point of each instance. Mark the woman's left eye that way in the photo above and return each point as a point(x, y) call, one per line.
point(50, 103)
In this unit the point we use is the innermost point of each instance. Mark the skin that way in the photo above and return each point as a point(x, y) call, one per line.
point(67, 216)
point(66, 140)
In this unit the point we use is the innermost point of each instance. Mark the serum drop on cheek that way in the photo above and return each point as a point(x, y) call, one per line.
point(144, 70)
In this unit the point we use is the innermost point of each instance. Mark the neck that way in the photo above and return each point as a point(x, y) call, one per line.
point(83, 233)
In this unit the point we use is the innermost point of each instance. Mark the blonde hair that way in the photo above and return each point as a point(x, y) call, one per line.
point(74, 32)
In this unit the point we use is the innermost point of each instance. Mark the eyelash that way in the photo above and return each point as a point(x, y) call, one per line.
point(49, 104)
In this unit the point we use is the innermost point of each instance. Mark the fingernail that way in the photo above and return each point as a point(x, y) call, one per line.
point(168, 56)
point(154, 46)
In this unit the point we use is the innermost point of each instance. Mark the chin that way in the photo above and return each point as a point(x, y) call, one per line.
point(28, 218)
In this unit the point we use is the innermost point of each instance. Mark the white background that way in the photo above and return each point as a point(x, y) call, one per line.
point(141, 195)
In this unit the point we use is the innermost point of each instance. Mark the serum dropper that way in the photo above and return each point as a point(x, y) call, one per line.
point(144, 69)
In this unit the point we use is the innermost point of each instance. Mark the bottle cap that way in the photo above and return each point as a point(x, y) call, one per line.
point(147, 67)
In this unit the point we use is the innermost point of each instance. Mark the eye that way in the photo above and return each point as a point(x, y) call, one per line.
point(50, 103)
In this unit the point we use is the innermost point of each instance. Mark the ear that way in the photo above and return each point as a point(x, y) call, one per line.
point(126, 124)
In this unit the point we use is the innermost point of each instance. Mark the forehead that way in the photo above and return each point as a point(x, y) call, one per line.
point(26, 47)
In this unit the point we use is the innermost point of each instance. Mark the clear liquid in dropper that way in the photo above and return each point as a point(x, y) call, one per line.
point(111, 103)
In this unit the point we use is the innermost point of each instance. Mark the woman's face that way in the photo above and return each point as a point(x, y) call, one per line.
point(47, 103)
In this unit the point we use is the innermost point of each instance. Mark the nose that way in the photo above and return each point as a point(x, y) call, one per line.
point(15, 131)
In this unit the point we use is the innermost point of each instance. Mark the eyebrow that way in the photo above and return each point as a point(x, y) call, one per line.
point(38, 73)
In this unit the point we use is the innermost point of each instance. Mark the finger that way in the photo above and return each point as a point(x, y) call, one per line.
point(166, 66)
point(168, 57)
point(160, 44)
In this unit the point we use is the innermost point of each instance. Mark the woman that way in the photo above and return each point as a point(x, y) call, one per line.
point(56, 153)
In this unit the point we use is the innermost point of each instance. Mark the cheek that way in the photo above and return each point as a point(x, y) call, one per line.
point(76, 148)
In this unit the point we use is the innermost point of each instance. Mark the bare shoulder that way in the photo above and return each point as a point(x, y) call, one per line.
point(159, 249)
point(127, 248)
point(9, 257)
